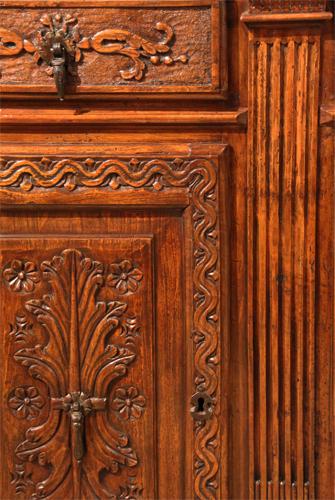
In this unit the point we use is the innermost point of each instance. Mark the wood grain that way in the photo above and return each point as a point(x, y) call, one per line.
point(274, 218)
point(287, 5)
point(10, 114)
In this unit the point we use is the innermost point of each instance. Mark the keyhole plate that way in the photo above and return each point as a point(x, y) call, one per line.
point(201, 406)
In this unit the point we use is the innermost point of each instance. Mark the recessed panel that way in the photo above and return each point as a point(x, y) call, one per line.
point(77, 323)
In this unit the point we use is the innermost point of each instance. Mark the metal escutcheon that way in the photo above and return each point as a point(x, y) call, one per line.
point(201, 406)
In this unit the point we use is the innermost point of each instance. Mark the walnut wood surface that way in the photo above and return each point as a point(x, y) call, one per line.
point(200, 231)
point(287, 5)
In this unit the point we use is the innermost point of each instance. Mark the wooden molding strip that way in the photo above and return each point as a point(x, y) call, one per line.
point(105, 3)
point(249, 18)
point(82, 115)
point(327, 115)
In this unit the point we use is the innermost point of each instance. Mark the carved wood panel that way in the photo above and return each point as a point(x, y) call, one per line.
point(78, 329)
point(106, 49)
point(85, 287)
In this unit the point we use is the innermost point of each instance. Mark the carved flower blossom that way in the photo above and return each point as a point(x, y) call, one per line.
point(128, 403)
point(26, 402)
point(21, 276)
point(124, 276)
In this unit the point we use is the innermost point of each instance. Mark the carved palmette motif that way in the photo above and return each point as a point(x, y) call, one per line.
point(199, 176)
point(78, 364)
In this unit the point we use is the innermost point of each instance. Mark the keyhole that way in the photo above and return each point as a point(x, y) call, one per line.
point(201, 403)
point(9, 45)
point(201, 406)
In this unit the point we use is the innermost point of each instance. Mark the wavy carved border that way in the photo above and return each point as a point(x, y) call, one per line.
point(199, 176)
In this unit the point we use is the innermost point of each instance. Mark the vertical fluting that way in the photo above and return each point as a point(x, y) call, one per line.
point(283, 90)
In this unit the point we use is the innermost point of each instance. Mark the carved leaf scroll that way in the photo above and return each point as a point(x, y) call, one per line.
point(78, 363)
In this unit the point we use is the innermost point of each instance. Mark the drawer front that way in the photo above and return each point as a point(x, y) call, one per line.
point(112, 47)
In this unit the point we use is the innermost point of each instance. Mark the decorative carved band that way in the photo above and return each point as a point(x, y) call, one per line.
point(199, 177)
point(70, 173)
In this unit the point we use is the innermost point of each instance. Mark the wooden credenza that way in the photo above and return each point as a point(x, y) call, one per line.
point(166, 249)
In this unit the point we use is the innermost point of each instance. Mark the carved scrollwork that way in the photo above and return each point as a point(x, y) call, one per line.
point(11, 43)
point(71, 174)
point(59, 46)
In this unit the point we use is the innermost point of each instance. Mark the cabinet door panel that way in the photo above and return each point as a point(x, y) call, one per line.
point(110, 320)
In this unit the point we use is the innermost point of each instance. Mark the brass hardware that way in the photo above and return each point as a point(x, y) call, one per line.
point(56, 45)
point(201, 406)
point(78, 405)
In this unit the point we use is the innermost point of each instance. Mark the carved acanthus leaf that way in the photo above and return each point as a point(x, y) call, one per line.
point(79, 336)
